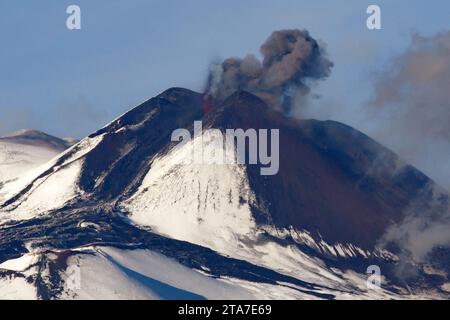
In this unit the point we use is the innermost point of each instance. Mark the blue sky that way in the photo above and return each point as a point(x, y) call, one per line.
point(70, 83)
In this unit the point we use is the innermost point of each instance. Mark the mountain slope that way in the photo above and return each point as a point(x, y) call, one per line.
point(27, 149)
point(314, 227)
point(332, 178)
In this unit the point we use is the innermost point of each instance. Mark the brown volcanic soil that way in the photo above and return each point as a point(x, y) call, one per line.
point(333, 180)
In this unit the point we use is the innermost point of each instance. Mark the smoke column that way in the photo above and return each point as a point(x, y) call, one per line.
point(292, 61)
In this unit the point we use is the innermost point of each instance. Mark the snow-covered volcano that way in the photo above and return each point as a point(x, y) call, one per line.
point(25, 150)
point(121, 201)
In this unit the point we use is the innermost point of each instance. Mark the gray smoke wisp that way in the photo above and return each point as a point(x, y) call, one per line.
point(292, 61)
point(411, 110)
point(426, 225)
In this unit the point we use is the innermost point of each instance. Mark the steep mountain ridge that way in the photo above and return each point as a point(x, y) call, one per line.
point(314, 226)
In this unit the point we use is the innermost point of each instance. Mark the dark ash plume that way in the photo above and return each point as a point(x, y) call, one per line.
point(292, 59)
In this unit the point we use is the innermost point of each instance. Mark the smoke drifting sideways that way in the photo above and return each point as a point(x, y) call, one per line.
point(425, 227)
point(411, 113)
point(292, 62)
point(410, 109)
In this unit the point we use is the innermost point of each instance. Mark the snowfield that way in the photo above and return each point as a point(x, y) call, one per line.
point(17, 159)
point(111, 273)
point(47, 187)
point(60, 187)
point(206, 204)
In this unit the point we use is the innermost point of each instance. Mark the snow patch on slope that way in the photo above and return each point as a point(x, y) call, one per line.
point(12, 288)
point(52, 193)
point(76, 152)
point(16, 159)
point(136, 274)
point(20, 264)
point(112, 273)
point(207, 204)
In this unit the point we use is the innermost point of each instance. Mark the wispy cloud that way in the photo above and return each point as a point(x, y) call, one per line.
point(411, 105)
